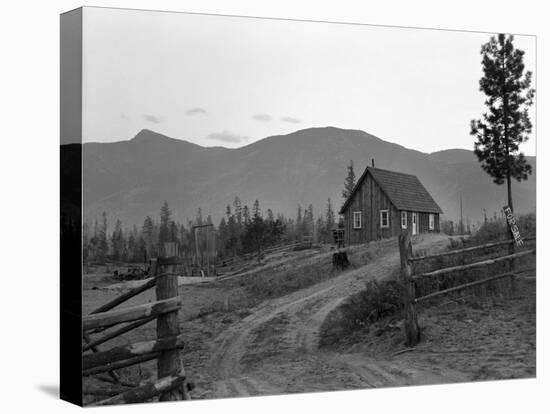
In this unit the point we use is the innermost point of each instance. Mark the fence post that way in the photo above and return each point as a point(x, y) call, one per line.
point(168, 362)
point(412, 332)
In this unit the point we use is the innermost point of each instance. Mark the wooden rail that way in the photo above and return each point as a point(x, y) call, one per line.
point(147, 391)
point(120, 353)
point(127, 328)
point(269, 250)
point(468, 249)
point(464, 286)
point(446, 270)
point(124, 297)
point(165, 348)
point(106, 319)
point(412, 332)
point(112, 366)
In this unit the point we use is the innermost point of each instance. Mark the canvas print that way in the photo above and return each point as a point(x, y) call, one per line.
point(272, 206)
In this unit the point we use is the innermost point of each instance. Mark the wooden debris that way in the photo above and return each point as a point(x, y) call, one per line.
point(147, 391)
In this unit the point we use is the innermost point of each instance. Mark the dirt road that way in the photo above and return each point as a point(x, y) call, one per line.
point(274, 350)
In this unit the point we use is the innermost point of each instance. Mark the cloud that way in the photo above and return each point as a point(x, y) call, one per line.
point(153, 118)
point(290, 120)
point(262, 117)
point(195, 111)
point(226, 136)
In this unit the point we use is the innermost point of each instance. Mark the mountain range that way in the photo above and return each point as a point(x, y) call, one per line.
point(131, 179)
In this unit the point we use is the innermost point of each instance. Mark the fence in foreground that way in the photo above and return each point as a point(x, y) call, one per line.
point(409, 280)
point(106, 323)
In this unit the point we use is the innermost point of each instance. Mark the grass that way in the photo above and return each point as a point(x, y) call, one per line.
point(491, 231)
point(377, 301)
point(382, 301)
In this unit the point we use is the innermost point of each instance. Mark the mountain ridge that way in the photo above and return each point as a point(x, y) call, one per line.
point(130, 179)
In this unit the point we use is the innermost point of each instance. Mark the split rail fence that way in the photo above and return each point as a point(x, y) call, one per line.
point(165, 348)
point(409, 280)
point(236, 260)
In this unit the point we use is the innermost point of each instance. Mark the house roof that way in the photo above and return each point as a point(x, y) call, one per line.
point(405, 191)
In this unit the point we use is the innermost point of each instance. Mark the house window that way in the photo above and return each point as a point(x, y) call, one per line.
point(384, 218)
point(357, 219)
point(403, 219)
point(432, 221)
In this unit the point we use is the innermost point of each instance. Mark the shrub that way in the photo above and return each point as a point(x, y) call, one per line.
point(377, 301)
point(495, 230)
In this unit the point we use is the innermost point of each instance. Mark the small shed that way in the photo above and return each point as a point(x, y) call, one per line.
point(383, 203)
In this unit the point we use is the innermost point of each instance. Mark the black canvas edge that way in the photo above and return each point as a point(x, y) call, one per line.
point(71, 206)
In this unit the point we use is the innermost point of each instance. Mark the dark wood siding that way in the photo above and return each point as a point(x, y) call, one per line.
point(369, 199)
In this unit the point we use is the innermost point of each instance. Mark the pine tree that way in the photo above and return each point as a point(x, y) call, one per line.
point(299, 223)
point(118, 244)
point(223, 236)
point(102, 243)
point(256, 213)
point(198, 217)
point(147, 233)
point(165, 222)
point(506, 124)
point(246, 216)
point(270, 216)
point(237, 208)
point(329, 216)
point(255, 234)
point(309, 221)
point(349, 184)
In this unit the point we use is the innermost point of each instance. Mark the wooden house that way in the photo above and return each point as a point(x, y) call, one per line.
point(383, 203)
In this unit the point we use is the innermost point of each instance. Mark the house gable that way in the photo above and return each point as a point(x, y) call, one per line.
point(405, 191)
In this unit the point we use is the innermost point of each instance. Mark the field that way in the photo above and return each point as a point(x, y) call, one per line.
point(259, 332)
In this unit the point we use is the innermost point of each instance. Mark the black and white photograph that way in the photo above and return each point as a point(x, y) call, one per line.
point(275, 206)
point(263, 206)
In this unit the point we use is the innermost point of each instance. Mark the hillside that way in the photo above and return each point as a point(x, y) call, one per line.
point(130, 179)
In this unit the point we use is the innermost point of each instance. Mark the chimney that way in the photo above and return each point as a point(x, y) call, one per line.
point(373, 163)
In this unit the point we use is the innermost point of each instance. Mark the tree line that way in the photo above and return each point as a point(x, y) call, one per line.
point(241, 230)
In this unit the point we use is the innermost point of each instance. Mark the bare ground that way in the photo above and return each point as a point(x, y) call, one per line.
point(275, 349)
point(246, 340)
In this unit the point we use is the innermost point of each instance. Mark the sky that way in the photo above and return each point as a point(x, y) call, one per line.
point(230, 81)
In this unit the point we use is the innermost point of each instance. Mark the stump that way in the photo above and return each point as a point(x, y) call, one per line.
point(340, 260)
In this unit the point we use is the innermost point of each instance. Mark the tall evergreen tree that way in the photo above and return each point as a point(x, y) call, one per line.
point(309, 221)
point(299, 223)
point(256, 213)
point(329, 216)
point(237, 208)
point(246, 216)
point(102, 243)
point(118, 244)
point(165, 222)
point(506, 124)
point(350, 181)
point(147, 232)
point(198, 217)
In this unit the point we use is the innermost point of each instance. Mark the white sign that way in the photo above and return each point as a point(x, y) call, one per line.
point(512, 225)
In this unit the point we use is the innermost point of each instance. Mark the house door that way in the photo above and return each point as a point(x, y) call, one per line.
point(414, 223)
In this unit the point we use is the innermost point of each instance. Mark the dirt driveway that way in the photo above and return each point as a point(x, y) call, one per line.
point(274, 350)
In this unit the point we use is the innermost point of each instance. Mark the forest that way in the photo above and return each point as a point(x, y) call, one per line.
point(241, 230)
